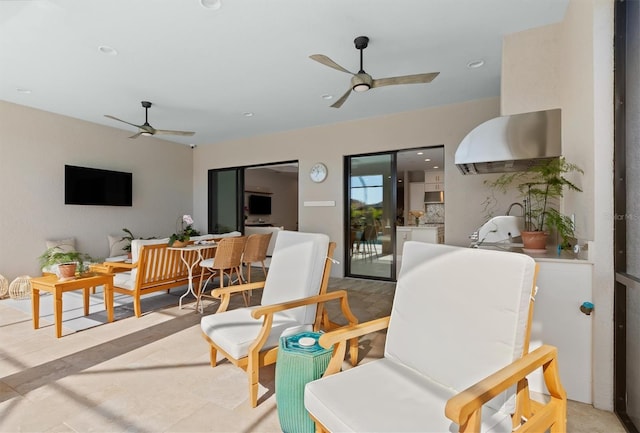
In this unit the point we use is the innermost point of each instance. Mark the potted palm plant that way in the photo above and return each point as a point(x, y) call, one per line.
point(540, 188)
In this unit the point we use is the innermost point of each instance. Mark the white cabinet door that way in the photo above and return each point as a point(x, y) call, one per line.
point(558, 321)
point(425, 234)
point(416, 197)
point(402, 235)
point(434, 177)
point(433, 187)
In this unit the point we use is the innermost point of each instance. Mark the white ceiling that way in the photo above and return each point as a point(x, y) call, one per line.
point(203, 68)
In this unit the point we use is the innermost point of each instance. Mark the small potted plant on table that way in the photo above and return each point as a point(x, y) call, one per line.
point(541, 187)
point(181, 238)
point(67, 263)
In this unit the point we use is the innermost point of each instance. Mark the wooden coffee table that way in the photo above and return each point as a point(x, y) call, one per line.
point(51, 284)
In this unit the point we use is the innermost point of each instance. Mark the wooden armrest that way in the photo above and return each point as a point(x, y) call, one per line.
point(119, 265)
point(348, 332)
point(274, 308)
point(462, 406)
point(217, 293)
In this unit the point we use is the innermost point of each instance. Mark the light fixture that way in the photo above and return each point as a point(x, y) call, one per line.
point(327, 97)
point(104, 49)
point(427, 160)
point(361, 87)
point(420, 153)
point(247, 114)
point(475, 64)
point(211, 4)
point(435, 166)
point(146, 134)
point(23, 91)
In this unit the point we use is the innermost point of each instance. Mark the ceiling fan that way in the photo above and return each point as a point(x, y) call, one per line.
point(361, 82)
point(145, 128)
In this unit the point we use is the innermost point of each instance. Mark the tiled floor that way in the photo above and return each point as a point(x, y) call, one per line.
point(153, 374)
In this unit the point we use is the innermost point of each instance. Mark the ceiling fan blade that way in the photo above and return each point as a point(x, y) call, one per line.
point(321, 58)
point(169, 132)
point(406, 79)
point(120, 120)
point(340, 101)
point(136, 135)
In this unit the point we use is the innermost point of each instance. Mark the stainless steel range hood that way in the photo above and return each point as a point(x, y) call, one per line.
point(510, 143)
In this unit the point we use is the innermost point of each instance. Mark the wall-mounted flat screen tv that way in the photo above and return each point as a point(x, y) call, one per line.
point(93, 186)
point(260, 204)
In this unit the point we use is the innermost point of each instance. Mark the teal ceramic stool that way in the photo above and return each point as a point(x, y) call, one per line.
point(301, 359)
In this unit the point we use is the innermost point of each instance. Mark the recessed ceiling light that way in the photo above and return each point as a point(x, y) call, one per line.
point(435, 166)
point(420, 153)
point(24, 91)
point(428, 159)
point(327, 96)
point(247, 114)
point(104, 49)
point(399, 180)
point(475, 64)
point(211, 4)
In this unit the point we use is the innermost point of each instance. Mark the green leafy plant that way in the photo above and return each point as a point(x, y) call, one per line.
point(56, 256)
point(129, 237)
point(540, 188)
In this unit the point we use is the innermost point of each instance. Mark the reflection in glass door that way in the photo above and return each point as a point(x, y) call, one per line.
point(371, 215)
point(225, 200)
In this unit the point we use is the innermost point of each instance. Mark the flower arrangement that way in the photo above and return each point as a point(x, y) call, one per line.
point(185, 232)
point(417, 214)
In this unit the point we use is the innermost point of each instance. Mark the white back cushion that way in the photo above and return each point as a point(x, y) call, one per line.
point(136, 244)
point(116, 245)
point(459, 314)
point(296, 271)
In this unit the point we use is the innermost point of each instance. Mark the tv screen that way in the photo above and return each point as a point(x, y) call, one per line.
point(93, 186)
point(260, 205)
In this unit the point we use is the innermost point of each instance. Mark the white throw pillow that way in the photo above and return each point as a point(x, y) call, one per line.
point(116, 246)
point(63, 245)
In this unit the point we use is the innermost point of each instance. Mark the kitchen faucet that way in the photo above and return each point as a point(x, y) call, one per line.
point(516, 204)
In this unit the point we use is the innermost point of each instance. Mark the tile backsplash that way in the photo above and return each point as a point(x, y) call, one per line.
point(434, 213)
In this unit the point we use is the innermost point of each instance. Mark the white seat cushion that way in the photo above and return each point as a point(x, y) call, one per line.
point(361, 399)
point(207, 263)
point(123, 279)
point(235, 330)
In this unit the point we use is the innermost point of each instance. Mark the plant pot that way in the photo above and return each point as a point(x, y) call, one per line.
point(534, 240)
point(66, 270)
point(180, 244)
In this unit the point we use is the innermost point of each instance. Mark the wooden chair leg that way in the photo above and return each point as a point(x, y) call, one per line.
point(264, 269)
point(213, 355)
point(137, 309)
point(253, 372)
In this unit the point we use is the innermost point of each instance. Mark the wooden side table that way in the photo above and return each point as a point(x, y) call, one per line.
point(51, 284)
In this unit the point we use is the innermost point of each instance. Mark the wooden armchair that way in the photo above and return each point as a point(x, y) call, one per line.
point(293, 298)
point(456, 354)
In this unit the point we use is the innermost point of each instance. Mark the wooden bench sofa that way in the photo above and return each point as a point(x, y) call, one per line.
point(154, 267)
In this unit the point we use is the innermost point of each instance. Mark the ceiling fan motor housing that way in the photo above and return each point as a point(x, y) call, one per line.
point(361, 82)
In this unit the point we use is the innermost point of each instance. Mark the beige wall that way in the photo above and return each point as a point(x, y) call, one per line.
point(570, 65)
point(34, 147)
point(329, 144)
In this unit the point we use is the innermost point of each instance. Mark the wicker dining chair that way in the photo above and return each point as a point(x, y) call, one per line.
point(227, 261)
point(255, 251)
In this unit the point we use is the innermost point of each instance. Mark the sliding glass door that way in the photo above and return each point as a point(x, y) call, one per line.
point(370, 230)
point(627, 209)
point(226, 188)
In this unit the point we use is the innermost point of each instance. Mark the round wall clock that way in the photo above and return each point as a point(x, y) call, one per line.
point(318, 172)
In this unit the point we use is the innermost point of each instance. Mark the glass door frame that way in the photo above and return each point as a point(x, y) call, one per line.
point(623, 280)
point(347, 214)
